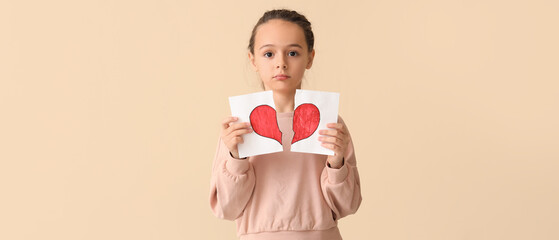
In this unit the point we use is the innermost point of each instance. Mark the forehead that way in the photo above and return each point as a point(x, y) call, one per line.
point(279, 33)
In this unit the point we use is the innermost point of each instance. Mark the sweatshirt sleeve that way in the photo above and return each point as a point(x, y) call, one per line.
point(231, 185)
point(341, 187)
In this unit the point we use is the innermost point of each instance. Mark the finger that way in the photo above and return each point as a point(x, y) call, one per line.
point(332, 147)
point(225, 123)
point(331, 132)
point(338, 126)
point(341, 143)
point(334, 125)
point(239, 140)
point(240, 132)
point(236, 126)
point(237, 129)
point(232, 144)
point(334, 140)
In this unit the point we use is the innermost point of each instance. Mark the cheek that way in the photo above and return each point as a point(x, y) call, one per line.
point(264, 66)
point(265, 72)
point(301, 67)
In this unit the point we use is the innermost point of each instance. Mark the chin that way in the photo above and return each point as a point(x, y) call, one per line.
point(284, 90)
point(283, 87)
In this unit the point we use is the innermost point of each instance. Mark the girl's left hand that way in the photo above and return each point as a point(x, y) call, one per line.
point(336, 139)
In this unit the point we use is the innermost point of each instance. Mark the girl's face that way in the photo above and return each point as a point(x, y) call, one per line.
point(281, 55)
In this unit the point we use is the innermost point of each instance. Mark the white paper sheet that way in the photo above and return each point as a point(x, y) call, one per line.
point(254, 144)
point(313, 111)
point(327, 104)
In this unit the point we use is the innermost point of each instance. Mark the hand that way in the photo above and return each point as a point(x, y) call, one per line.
point(231, 134)
point(336, 139)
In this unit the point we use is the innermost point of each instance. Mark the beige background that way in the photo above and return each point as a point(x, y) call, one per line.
point(110, 114)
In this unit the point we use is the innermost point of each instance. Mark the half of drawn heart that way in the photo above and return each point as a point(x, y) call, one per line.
point(305, 121)
point(264, 123)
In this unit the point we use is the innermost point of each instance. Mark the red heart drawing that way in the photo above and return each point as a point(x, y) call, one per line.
point(264, 122)
point(305, 121)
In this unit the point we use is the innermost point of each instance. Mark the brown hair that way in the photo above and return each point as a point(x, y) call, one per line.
point(289, 16)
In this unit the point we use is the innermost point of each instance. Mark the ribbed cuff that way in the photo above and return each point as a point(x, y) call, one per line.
point(337, 175)
point(237, 166)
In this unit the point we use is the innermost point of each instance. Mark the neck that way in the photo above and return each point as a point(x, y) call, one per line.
point(285, 101)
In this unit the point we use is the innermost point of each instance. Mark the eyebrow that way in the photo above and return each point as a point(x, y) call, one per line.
point(290, 45)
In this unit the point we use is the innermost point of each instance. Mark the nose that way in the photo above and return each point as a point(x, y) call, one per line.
point(281, 63)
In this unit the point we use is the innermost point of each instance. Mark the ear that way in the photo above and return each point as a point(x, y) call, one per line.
point(251, 57)
point(311, 58)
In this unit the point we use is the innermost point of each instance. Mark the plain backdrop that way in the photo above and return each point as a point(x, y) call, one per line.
point(110, 114)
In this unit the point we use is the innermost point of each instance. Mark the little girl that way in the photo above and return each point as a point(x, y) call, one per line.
point(284, 195)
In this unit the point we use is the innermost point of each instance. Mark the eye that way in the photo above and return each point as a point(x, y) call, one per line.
point(268, 54)
point(293, 53)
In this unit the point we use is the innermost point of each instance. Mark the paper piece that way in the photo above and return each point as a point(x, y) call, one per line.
point(259, 110)
point(313, 111)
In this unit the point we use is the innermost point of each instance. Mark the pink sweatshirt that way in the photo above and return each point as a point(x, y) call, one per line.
point(284, 195)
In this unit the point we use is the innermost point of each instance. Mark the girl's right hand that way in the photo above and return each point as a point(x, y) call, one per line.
point(231, 134)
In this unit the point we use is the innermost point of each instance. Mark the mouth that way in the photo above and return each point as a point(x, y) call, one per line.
point(281, 77)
